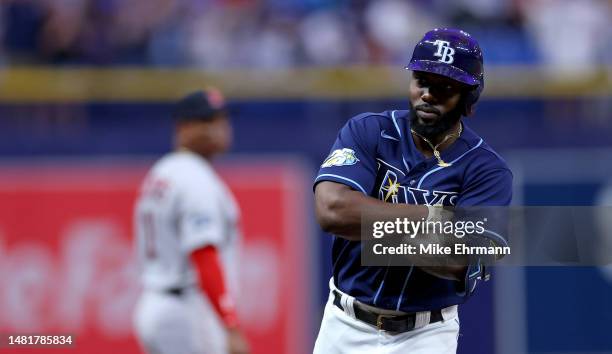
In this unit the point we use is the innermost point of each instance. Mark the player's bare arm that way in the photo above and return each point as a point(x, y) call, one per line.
point(338, 209)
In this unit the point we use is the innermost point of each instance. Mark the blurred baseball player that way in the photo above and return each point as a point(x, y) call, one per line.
point(186, 225)
point(410, 161)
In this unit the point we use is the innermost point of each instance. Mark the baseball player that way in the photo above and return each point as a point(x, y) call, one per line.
point(186, 226)
point(411, 161)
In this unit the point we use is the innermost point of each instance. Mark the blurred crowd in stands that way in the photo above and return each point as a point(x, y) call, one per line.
point(571, 35)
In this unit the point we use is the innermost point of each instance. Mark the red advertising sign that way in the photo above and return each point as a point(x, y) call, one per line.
point(67, 262)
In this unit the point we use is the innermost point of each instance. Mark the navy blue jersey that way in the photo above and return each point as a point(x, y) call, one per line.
point(376, 155)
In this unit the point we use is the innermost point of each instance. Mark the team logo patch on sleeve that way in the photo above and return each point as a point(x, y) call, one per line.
point(340, 157)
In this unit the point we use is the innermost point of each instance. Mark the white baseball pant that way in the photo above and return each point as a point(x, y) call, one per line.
point(342, 333)
point(178, 324)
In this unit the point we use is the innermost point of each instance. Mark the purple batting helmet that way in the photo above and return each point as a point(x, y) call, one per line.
point(452, 53)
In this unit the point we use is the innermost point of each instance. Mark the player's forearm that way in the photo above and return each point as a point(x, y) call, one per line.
point(339, 209)
point(451, 266)
point(338, 212)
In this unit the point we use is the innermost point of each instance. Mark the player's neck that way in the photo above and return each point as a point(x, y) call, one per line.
point(183, 148)
point(451, 135)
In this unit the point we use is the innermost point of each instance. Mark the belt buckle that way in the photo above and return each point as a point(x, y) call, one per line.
point(379, 319)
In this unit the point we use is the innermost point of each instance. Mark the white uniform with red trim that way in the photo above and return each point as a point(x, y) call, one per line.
point(183, 206)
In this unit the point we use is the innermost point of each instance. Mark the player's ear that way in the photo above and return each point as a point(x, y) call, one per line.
point(467, 103)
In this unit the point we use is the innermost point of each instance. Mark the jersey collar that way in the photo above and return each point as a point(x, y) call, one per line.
point(463, 144)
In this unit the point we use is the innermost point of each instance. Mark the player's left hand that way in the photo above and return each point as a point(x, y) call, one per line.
point(236, 342)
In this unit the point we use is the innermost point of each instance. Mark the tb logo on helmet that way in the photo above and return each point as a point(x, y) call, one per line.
point(445, 51)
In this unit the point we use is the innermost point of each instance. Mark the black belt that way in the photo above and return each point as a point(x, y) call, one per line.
point(175, 291)
point(390, 323)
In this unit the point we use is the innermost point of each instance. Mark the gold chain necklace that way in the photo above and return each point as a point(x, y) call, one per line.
point(436, 153)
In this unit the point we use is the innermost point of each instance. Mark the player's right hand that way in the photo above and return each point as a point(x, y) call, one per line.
point(236, 342)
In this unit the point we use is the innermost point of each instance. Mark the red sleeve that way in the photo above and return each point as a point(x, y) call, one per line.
point(212, 281)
